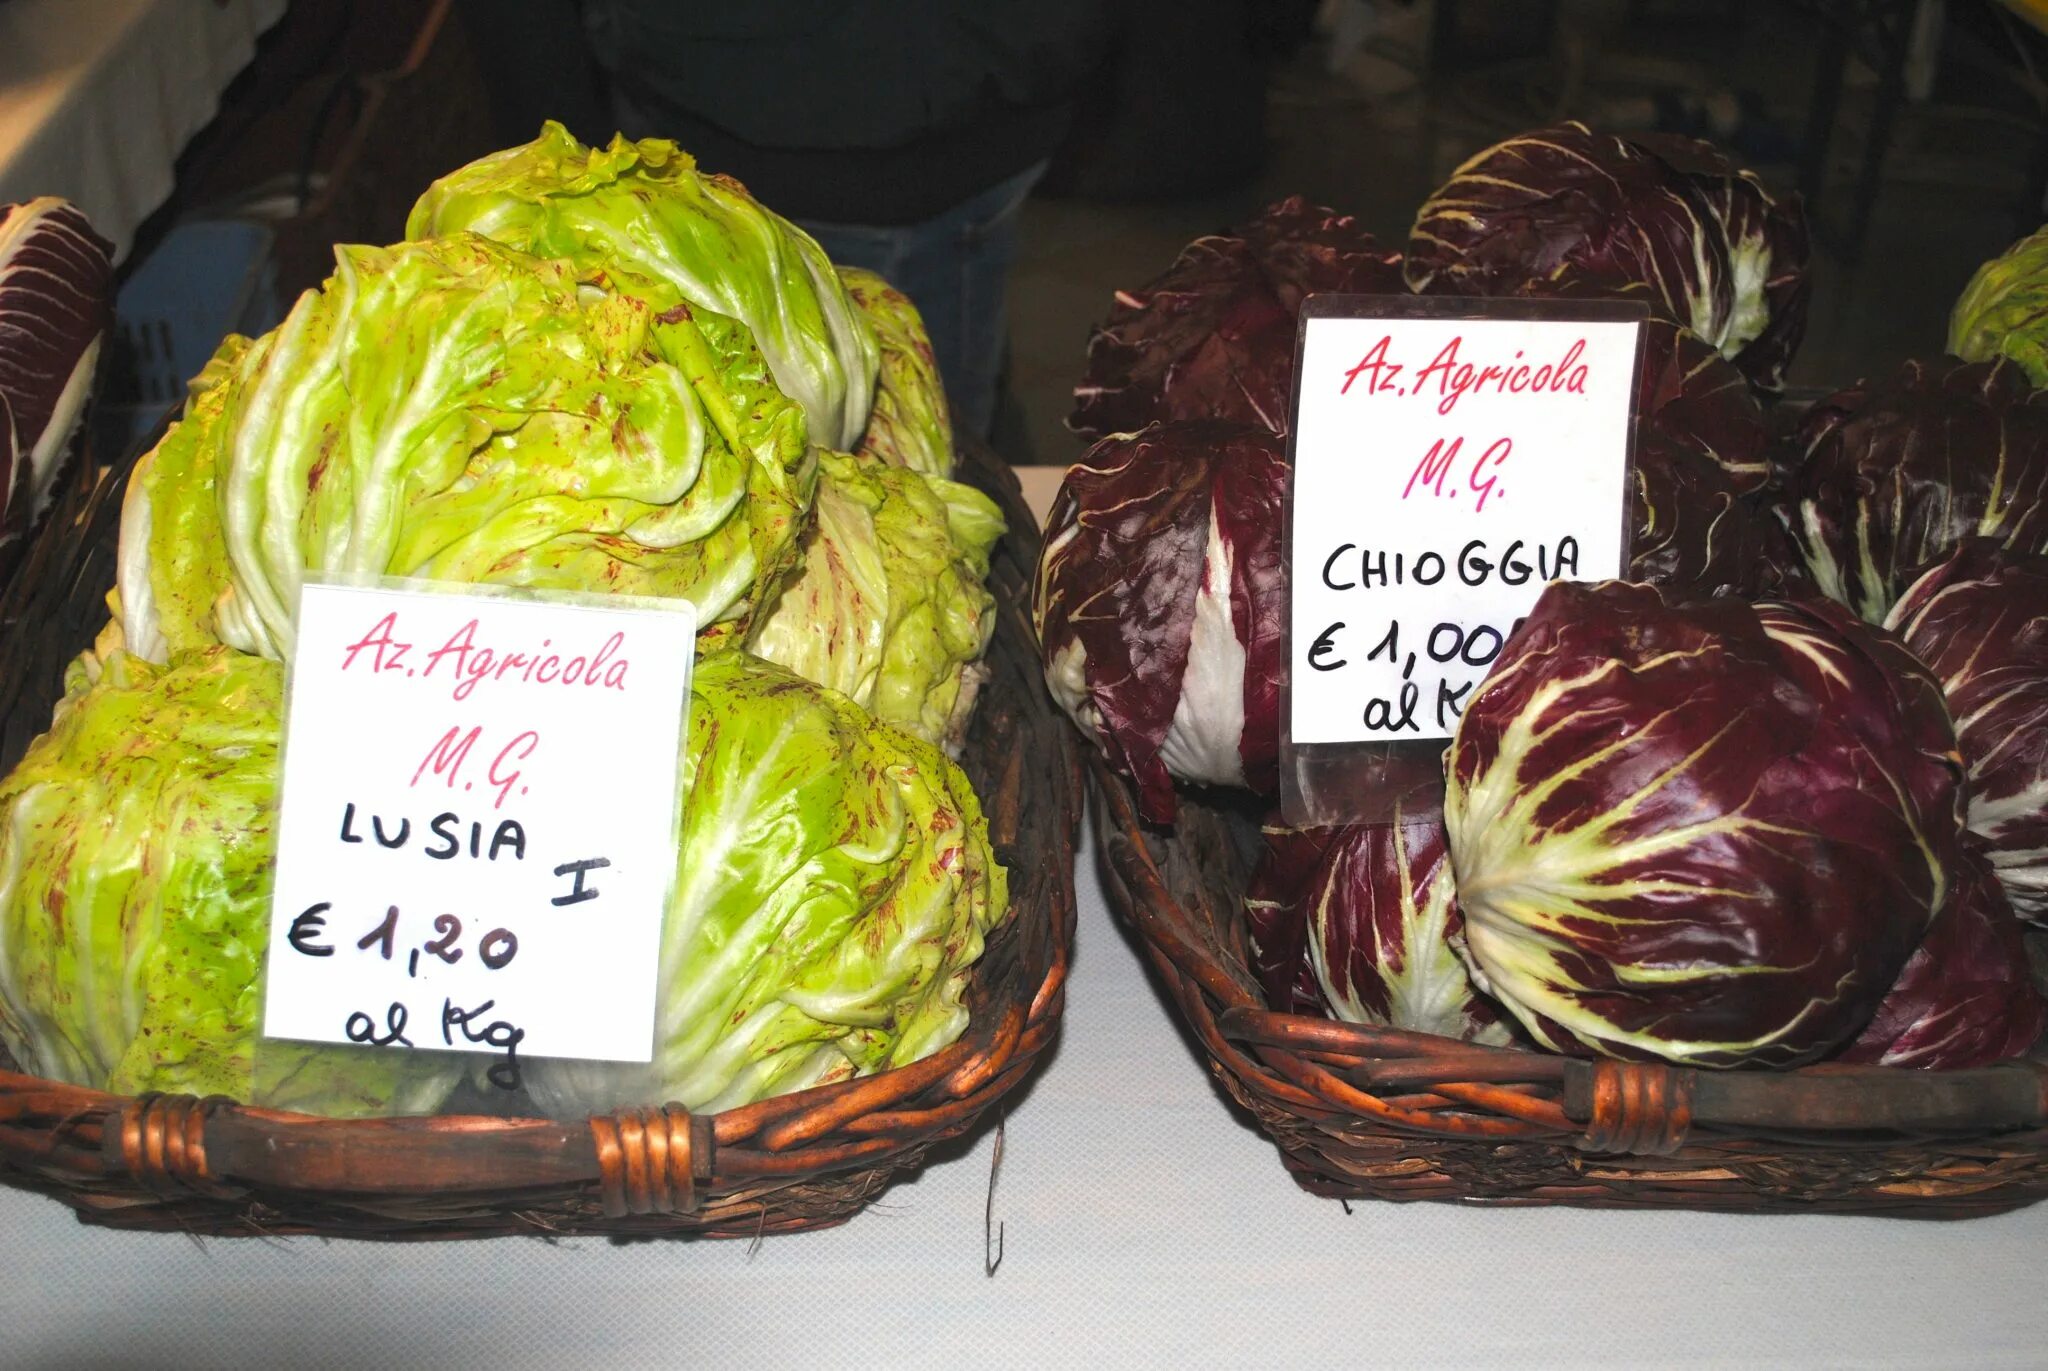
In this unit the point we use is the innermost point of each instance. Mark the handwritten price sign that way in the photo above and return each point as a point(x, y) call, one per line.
point(477, 834)
point(1445, 469)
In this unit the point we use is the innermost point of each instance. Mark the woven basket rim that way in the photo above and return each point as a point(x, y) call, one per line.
point(1359, 1111)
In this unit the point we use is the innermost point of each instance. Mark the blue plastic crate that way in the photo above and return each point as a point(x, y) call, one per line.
point(206, 279)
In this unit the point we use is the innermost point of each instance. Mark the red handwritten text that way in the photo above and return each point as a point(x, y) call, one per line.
point(1483, 479)
point(1455, 379)
point(467, 664)
point(450, 753)
point(1382, 372)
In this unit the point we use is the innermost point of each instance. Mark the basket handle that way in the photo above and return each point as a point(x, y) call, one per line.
point(646, 1161)
point(161, 1141)
point(1649, 1108)
point(650, 1160)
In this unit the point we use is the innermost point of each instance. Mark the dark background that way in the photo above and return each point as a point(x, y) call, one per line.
point(1920, 158)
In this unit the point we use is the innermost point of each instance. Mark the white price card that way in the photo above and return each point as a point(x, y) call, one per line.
point(1444, 469)
point(478, 828)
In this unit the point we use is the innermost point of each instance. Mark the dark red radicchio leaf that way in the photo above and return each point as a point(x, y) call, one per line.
point(1868, 683)
point(1160, 600)
point(55, 293)
point(9, 458)
point(1306, 249)
point(1887, 476)
point(1692, 397)
point(1967, 996)
point(1275, 921)
point(1698, 830)
point(1666, 220)
point(1979, 620)
point(1691, 531)
point(1702, 461)
point(1769, 246)
point(1204, 339)
point(1382, 916)
point(1213, 336)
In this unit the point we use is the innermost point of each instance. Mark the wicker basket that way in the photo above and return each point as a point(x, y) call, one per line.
point(803, 1160)
point(1373, 1113)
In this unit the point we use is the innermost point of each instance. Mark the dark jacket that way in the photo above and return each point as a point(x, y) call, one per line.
point(852, 111)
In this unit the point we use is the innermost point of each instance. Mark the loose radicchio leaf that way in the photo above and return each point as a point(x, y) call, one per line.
point(1160, 602)
point(1670, 218)
point(1213, 336)
point(1698, 830)
point(1381, 913)
point(55, 276)
point(1967, 996)
point(1979, 620)
point(1887, 476)
point(1275, 919)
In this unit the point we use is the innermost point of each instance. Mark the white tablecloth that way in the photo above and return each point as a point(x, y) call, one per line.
point(98, 97)
point(1146, 1225)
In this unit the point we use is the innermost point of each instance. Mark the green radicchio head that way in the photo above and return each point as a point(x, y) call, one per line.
point(887, 603)
point(834, 886)
point(643, 207)
point(137, 839)
point(456, 410)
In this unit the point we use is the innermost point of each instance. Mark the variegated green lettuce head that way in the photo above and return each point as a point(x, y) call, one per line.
point(644, 207)
point(910, 424)
point(458, 410)
point(136, 843)
point(834, 885)
point(888, 604)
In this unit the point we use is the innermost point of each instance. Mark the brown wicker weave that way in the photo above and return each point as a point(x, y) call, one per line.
point(803, 1160)
point(1374, 1113)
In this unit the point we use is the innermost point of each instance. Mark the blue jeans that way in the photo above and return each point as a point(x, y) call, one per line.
point(955, 268)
